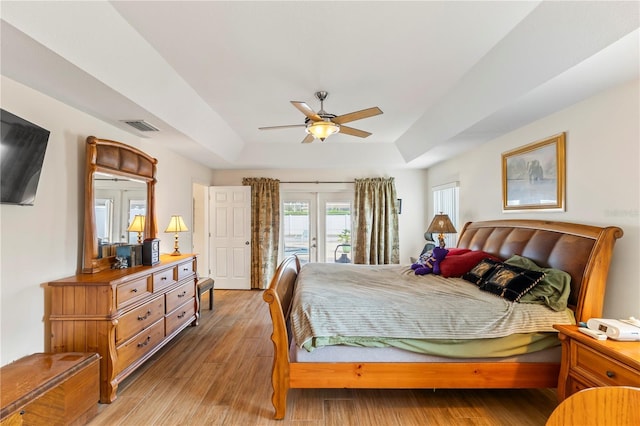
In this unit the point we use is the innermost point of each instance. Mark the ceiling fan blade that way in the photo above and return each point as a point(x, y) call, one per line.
point(357, 115)
point(353, 132)
point(308, 139)
point(281, 127)
point(306, 110)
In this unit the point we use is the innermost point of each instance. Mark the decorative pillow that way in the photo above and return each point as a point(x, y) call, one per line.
point(456, 251)
point(511, 282)
point(481, 271)
point(552, 291)
point(456, 266)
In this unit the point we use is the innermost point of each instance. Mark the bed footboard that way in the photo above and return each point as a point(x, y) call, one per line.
point(279, 296)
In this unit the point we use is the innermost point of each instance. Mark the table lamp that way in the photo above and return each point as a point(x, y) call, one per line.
point(137, 225)
point(442, 225)
point(176, 224)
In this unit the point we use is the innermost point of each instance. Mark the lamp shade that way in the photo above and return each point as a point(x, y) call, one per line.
point(442, 225)
point(322, 129)
point(137, 224)
point(176, 224)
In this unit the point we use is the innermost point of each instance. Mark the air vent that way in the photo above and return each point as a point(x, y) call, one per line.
point(141, 125)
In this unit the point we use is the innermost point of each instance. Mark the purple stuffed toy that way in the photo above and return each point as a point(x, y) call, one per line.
point(431, 264)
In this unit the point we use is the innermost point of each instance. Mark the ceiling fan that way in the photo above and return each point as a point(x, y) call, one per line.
point(321, 125)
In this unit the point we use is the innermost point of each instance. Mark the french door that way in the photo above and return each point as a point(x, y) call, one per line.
point(316, 226)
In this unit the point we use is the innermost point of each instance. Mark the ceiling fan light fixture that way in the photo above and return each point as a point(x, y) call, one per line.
point(322, 129)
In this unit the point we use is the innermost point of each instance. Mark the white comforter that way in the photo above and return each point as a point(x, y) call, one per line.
point(391, 301)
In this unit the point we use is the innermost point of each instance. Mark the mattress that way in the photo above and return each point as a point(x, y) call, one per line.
point(388, 305)
point(342, 353)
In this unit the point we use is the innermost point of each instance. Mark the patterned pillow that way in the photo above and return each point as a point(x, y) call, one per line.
point(481, 271)
point(511, 282)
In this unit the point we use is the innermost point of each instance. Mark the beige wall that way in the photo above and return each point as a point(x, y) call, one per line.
point(602, 187)
point(41, 243)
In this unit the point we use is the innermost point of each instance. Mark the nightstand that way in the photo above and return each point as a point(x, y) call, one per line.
point(588, 363)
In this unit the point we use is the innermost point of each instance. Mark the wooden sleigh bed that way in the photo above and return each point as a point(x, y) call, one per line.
point(583, 251)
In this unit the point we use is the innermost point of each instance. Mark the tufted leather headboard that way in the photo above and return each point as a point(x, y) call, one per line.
point(583, 251)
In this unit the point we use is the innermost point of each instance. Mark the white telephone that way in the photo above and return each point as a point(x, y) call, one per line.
point(624, 330)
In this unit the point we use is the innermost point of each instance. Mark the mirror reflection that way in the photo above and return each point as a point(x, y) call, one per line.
point(117, 201)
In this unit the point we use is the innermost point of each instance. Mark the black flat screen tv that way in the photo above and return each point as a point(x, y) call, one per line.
point(22, 148)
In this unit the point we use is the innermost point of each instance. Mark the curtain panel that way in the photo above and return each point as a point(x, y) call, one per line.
point(265, 229)
point(376, 222)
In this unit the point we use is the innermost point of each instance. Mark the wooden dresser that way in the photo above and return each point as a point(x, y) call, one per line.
point(588, 363)
point(125, 315)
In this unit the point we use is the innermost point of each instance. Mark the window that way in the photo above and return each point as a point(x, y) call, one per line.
point(445, 200)
point(316, 226)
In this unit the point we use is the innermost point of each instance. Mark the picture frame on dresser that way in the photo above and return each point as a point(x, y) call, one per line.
point(533, 176)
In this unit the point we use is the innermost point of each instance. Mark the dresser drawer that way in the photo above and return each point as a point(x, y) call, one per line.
point(183, 314)
point(163, 279)
point(139, 319)
point(138, 346)
point(177, 297)
point(603, 371)
point(186, 269)
point(131, 291)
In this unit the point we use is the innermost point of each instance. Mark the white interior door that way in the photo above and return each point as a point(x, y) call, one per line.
point(230, 238)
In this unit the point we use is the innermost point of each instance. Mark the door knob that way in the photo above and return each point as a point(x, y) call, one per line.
point(246, 243)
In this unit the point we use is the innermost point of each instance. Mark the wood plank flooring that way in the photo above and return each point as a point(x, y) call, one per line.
point(218, 373)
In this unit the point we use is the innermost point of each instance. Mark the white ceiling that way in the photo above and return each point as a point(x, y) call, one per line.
point(448, 75)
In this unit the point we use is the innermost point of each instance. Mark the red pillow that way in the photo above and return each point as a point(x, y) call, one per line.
point(456, 266)
point(457, 251)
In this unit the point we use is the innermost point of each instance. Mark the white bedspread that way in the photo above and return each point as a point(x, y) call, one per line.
point(391, 301)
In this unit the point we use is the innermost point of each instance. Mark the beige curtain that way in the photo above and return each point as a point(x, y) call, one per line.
point(265, 229)
point(376, 222)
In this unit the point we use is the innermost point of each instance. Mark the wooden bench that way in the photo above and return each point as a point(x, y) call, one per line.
point(204, 285)
point(50, 389)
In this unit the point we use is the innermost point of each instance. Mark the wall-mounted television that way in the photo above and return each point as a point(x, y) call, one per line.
point(22, 148)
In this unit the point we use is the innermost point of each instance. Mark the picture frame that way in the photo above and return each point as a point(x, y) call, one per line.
point(533, 176)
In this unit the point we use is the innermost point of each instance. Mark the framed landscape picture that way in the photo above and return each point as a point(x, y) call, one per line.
point(533, 176)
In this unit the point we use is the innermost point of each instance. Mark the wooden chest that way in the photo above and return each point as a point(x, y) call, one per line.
point(50, 389)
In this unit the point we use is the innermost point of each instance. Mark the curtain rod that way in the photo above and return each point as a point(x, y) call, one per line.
point(315, 181)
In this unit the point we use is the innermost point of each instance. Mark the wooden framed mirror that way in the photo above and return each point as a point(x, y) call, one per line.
point(123, 162)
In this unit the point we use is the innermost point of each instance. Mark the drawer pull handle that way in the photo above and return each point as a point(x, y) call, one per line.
point(163, 278)
point(182, 314)
point(142, 318)
point(145, 343)
point(610, 374)
point(182, 294)
point(185, 269)
point(135, 290)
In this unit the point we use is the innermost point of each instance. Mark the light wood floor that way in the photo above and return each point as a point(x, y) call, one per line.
point(218, 373)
